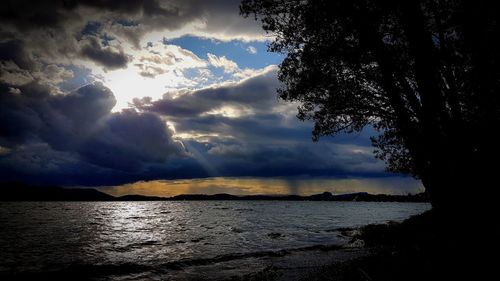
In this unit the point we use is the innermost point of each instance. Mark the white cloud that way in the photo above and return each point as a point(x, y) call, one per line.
point(228, 65)
point(159, 59)
point(252, 50)
point(152, 72)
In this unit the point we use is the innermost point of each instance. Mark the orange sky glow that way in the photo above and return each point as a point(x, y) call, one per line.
point(269, 186)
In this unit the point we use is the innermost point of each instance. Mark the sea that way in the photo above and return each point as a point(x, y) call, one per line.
point(172, 240)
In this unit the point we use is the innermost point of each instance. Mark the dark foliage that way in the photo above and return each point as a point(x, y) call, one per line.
point(424, 73)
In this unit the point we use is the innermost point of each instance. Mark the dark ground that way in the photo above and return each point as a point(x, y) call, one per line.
point(423, 247)
point(420, 248)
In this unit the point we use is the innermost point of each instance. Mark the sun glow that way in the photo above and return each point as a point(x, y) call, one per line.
point(153, 71)
point(127, 84)
point(230, 111)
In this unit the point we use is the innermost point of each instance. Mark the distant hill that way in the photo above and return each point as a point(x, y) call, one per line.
point(136, 197)
point(22, 192)
point(325, 196)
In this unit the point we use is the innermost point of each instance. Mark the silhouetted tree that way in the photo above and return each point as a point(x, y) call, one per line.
point(425, 74)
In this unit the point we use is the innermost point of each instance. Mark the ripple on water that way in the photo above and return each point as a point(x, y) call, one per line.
point(110, 236)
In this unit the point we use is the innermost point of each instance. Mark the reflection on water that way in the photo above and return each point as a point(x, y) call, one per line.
point(50, 236)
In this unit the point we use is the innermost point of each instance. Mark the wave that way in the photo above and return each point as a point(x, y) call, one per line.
point(83, 271)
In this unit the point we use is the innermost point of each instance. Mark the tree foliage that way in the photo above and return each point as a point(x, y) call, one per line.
point(424, 73)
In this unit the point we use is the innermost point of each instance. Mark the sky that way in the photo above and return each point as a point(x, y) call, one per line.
point(161, 98)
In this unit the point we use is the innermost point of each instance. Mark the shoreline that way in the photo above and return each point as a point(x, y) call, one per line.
point(280, 265)
point(291, 264)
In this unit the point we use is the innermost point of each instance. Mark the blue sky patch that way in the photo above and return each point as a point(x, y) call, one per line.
point(238, 51)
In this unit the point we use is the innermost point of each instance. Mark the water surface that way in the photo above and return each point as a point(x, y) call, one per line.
point(148, 236)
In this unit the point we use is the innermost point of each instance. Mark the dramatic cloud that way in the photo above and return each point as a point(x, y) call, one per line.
point(241, 129)
point(128, 140)
point(112, 92)
point(109, 34)
point(32, 113)
point(235, 99)
point(236, 129)
point(116, 41)
point(79, 127)
point(131, 20)
point(105, 56)
point(13, 51)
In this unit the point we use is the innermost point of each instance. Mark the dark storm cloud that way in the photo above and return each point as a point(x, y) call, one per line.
point(104, 55)
point(18, 66)
point(29, 14)
point(39, 163)
point(26, 14)
point(74, 138)
point(13, 50)
point(255, 94)
point(31, 113)
point(266, 139)
point(259, 115)
point(140, 15)
point(129, 140)
point(79, 127)
point(51, 133)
